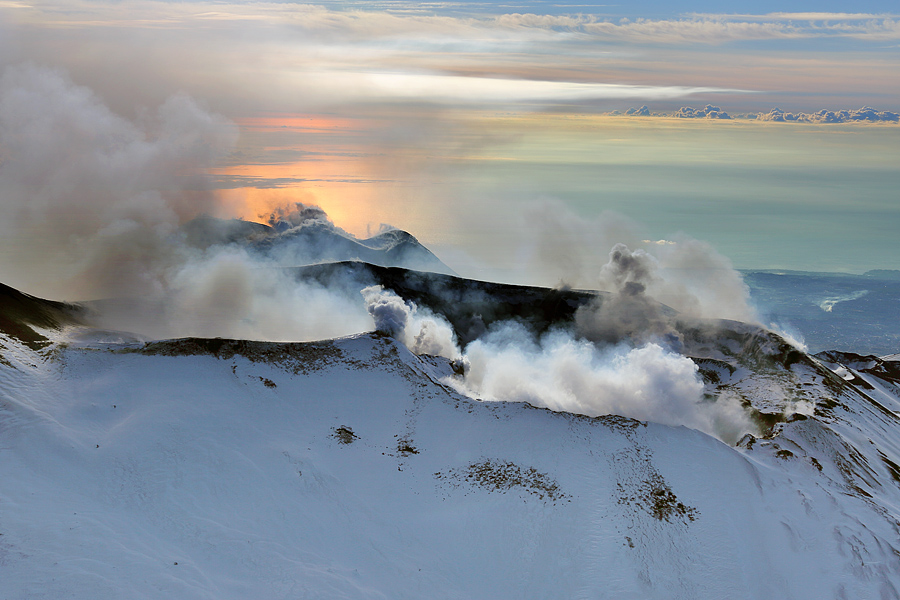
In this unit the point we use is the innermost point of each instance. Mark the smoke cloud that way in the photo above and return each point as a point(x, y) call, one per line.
point(566, 249)
point(685, 274)
point(628, 314)
point(90, 199)
point(93, 208)
point(650, 295)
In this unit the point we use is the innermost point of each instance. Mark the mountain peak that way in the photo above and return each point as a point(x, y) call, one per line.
point(313, 241)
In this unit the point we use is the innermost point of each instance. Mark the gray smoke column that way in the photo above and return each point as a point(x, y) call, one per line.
point(628, 272)
point(686, 279)
point(628, 314)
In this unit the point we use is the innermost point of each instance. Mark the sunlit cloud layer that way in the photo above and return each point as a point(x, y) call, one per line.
point(318, 56)
point(484, 90)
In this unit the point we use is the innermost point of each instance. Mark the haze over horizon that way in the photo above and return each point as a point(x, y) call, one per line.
point(496, 134)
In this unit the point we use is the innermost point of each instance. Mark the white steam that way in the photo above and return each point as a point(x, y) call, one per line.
point(562, 372)
point(233, 294)
point(559, 372)
point(791, 335)
point(621, 358)
point(420, 330)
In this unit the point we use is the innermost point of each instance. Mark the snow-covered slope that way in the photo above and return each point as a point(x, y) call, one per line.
point(348, 469)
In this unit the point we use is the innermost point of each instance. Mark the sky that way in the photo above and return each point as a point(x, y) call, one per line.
point(495, 132)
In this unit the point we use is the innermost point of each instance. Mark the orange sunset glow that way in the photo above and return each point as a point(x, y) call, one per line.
point(333, 172)
point(362, 171)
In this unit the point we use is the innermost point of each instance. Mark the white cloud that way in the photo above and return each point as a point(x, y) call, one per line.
point(707, 112)
point(864, 114)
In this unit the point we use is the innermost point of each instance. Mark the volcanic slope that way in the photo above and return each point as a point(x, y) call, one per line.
point(348, 469)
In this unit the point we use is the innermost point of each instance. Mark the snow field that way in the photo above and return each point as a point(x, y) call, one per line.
point(117, 466)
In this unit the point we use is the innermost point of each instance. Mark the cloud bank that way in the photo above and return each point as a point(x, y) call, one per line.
point(864, 114)
point(707, 112)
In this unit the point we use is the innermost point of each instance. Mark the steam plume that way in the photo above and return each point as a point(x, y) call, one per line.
point(562, 373)
point(623, 355)
point(683, 273)
point(420, 330)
